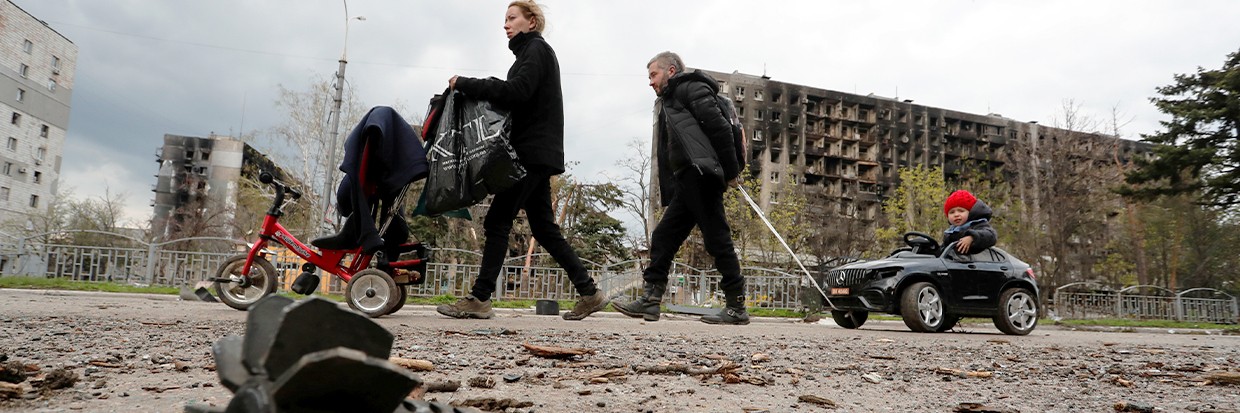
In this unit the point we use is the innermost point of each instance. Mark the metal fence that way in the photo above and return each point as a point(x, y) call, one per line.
point(184, 262)
point(449, 272)
point(1090, 300)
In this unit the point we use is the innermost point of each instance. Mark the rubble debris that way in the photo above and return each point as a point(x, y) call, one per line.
point(484, 332)
point(413, 364)
point(160, 389)
point(442, 386)
point(58, 378)
point(12, 372)
point(513, 377)
point(493, 404)
point(1127, 406)
point(1223, 378)
point(961, 373)
point(681, 368)
point(482, 382)
point(556, 352)
point(12, 390)
point(970, 407)
point(619, 372)
point(816, 400)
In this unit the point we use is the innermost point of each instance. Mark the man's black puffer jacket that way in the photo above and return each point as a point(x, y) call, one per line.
point(695, 137)
point(533, 96)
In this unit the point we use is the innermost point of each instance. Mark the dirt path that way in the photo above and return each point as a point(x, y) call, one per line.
point(146, 353)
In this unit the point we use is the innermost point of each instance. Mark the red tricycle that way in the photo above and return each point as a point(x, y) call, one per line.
point(244, 279)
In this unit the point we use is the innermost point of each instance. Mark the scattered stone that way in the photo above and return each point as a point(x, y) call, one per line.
point(443, 386)
point(513, 377)
point(979, 408)
point(1127, 406)
point(493, 404)
point(482, 382)
point(872, 378)
point(12, 372)
point(820, 401)
point(59, 379)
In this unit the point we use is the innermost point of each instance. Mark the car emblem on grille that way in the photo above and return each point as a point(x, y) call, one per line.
point(839, 280)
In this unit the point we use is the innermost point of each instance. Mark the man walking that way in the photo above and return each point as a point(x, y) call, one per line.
point(696, 162)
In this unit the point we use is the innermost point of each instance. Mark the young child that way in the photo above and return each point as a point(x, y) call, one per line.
point(970, 223)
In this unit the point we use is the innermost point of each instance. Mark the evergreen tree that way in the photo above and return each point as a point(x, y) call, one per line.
point(1197, 150)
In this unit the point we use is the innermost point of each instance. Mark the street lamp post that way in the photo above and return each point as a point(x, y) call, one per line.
point(330, 167)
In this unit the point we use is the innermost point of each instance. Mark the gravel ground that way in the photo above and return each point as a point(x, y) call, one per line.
point(149, 353)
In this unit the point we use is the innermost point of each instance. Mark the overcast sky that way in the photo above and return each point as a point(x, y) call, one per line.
point(148, 67)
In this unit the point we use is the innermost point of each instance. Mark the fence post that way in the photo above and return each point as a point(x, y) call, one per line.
point(1179, 308)
point(1235, 309)
point(150, 264)
point(1119, 304)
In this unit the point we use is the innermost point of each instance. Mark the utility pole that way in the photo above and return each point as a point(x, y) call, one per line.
point(330, 167)
point(331, 148)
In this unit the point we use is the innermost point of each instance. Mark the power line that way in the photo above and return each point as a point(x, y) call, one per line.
point(286, 55)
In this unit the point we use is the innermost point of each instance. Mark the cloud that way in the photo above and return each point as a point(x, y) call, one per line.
point(149, 68)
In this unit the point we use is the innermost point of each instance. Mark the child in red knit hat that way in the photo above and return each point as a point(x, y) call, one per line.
point(970, 227)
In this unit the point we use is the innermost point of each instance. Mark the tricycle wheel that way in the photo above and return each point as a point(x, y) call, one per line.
point(372, 292)
point(404, 296)
point(243, 291)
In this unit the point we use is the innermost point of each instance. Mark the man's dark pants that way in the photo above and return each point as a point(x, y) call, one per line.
point(533, 194)
point(697, 201)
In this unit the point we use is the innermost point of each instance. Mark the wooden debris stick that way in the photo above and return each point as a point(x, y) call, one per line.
point(413, 364)
point(1224, 377)
point(724, 368)
point(556, 352)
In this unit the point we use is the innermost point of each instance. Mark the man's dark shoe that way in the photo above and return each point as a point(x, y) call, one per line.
point(639, 308)
point(586, 305)
point(645, 307)
point(468, 307)
point(729, 315)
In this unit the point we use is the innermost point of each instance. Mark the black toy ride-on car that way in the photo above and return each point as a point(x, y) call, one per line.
point(933, 287)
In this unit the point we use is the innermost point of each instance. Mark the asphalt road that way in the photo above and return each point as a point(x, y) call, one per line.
point(139, 352)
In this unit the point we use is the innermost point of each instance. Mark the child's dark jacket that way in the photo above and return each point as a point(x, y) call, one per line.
point(977, 225)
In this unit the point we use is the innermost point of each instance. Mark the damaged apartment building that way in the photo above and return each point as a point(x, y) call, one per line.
point(845, 150)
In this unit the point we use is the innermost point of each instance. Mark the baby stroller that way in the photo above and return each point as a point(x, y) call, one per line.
point(383, 158)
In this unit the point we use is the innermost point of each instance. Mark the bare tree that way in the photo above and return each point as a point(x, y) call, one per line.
point(634, 186)
point(1063, 180)
point(306, 137)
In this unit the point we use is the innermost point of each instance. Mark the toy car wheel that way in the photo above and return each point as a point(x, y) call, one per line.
point(243, 291)
point(850, 319)
point(372, 292)
point(1018, 312)
point(949, 322)
point(404, 296)
point(921, 305)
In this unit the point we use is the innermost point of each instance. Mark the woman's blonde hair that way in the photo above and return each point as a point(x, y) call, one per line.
point(533, 12)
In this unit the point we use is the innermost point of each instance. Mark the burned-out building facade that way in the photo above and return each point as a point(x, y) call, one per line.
point(845, 150)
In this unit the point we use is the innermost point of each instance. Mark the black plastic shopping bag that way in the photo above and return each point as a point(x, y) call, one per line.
point(469, 154)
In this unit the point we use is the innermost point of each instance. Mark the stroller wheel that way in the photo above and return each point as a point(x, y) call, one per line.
point(372, 292)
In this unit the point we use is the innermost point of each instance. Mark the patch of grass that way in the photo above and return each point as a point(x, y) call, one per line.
point(1169, 324)
point(777, 312)
point(43, 283)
